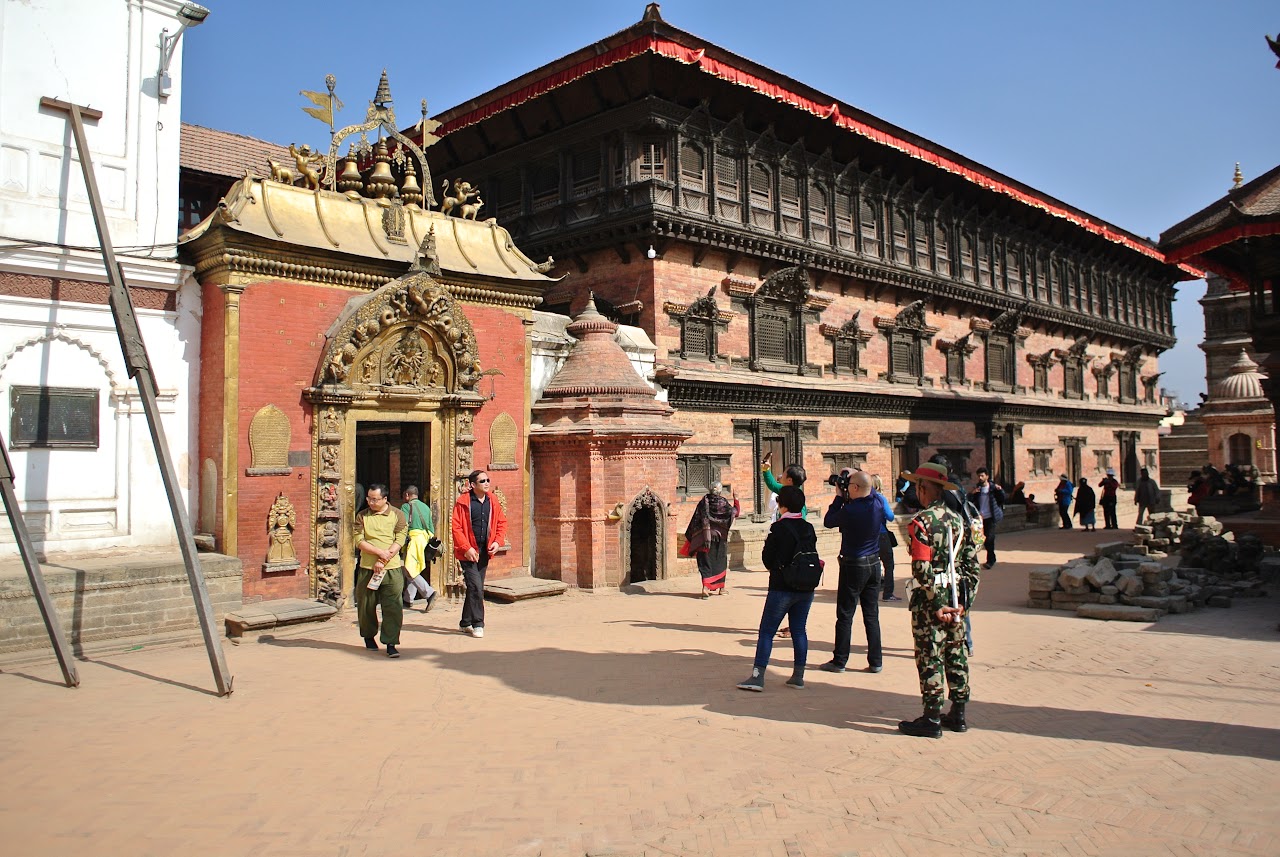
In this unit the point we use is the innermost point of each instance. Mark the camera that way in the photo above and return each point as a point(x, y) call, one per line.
point(840, 481)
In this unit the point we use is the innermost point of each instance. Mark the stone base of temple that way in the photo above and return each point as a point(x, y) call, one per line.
point(109, 603)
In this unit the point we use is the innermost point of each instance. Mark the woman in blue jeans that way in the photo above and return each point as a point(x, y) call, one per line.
point(791, 532)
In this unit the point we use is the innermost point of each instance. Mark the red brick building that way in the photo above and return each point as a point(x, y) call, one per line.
point(819, 283)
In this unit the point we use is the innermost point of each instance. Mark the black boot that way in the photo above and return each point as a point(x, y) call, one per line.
point(922, 727)
point(954, 719)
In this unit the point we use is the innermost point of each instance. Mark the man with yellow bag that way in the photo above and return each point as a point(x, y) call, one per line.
point(418, 556)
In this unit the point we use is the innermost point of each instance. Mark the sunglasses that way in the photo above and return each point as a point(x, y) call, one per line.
point(481, 481)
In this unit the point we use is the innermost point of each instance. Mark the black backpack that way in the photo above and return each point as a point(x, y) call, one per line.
point(804, 572)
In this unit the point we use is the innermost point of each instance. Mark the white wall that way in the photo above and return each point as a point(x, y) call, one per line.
point(103, 54)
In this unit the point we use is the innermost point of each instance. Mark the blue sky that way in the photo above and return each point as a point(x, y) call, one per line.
point(1134, 111)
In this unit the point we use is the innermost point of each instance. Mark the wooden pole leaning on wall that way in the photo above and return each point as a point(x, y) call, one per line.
point(32, 563)
point(139, 366)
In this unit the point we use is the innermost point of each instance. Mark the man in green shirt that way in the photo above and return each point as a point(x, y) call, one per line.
point(380, 531)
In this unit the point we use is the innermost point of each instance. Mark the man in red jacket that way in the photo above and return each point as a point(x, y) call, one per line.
point(479, 529)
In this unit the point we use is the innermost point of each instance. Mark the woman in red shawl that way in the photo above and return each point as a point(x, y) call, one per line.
point(708, 538)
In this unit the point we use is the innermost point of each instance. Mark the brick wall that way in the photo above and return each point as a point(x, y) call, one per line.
point(99, 602)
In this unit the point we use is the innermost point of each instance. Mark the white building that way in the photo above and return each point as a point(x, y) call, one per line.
point(85, 469)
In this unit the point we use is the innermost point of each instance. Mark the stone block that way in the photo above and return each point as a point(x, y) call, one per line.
point(1073, 578)
point(1219, 601)
point(1040, 603)
point(1075, 598)
point(1157, 590)
point(1117, 613)
point(1106, 599)
point(1101, 573)
point(1111, 548)
point(1109, 589)
point(1143, 530)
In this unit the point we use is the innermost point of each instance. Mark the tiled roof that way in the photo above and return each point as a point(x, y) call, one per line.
point(222, 153)
point(1257, 199)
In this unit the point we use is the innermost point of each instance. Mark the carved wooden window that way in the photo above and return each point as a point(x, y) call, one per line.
point(617, 163)
point(1041, 462)
point(901, 248)
point(53, 418)
point(818, 218)
point(905, 358)
point(761, 196)
point(1013, 271)
point(506, 194)
point(834, 462)
point(652, 163)
point(1151, 460)
point(1128, 382)
point(777, 329)
point(984, 262)
point(924, 238)
point(544, 184)
point(728, 182)
point(789, 204)
point(955, 365)
point(869, 223)
point(1040, 376)
point(585, 164)
point(1240, 449)
point(698, 338)
point(1073, 379)
point(942, 247)
point(1000, 368)
point(693, 167)
point(1041, 278)
point(958, 458)
point(1103, 457)
point(966, 257)
point(844, 220)
point(695, 474)
point(846, 358)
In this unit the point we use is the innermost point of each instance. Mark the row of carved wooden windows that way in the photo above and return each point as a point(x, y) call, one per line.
point(916, 239)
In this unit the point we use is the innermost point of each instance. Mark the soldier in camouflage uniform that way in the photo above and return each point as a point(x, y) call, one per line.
point(937, 625)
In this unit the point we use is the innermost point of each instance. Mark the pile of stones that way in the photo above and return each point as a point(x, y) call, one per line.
point(1135, 582)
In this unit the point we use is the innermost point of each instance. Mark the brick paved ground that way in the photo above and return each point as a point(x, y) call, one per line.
point(609, 724)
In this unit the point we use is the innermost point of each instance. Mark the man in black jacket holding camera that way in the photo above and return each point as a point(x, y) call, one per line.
point(988, 499)
point(860, 516)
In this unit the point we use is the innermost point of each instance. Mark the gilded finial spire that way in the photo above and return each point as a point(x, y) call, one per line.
point(383, 98)
point(1238, 178)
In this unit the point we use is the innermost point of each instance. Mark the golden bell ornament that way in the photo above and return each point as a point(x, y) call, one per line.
point(380, 183)
point(349, 179)
point(410, 190)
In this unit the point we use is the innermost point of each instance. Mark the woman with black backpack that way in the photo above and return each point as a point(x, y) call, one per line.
point(791, 555)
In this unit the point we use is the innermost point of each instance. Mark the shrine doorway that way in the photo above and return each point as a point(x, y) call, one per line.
point(644, 539)
point(396, 454)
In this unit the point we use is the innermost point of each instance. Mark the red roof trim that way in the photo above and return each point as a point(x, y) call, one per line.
point(1224, 236)
point(724, 71)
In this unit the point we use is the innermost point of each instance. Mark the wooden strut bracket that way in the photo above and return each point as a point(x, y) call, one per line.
point(139, 366)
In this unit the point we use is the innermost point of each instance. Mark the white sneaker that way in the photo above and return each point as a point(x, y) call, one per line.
point(477, 631)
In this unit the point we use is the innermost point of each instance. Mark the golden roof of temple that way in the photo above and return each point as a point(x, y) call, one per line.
point(380, 230)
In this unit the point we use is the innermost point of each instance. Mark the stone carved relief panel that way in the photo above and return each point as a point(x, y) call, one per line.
point(502, 443)
point(269, 435)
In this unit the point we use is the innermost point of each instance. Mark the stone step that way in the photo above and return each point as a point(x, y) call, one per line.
point(511, 589)
point(1117, 612)
point(273, 614)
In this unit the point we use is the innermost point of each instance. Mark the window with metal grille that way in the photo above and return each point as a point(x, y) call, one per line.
point(544, 184)
point(728, 184)
point(693, 167)
point(695, 474)
point(869, 223)
point(585, 164)
point(53, 418)
point(652, 163)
